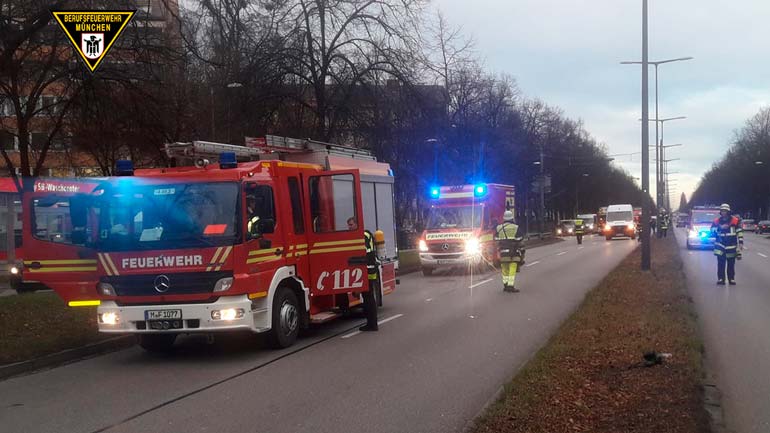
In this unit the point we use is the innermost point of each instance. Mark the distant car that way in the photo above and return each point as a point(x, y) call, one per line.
point(566, 228)
point(749, 225)
point(763, 227)
point(683, 221)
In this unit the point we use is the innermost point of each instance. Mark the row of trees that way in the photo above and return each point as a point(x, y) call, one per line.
point(742, 176)
point(381, 74)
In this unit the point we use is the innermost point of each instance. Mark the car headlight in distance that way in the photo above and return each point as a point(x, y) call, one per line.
point(223, 284)
point(422, 245)
point(590, 226)
point(472, 246)
point(630, 226)
point(558, 231)
point(569, 230)
point(693, 234)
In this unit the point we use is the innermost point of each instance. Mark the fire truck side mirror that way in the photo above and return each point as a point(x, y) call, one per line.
point(266, 226)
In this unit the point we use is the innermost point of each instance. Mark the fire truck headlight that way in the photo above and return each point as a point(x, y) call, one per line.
point(14, 270)
point(109, 318)
point(422, 245)
point(227, 314)
point(106, 289)
point(223, 284)
point(472, 246)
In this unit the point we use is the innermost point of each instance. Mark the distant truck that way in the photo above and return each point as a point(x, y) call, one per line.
point(461, 225)
point(620, 221)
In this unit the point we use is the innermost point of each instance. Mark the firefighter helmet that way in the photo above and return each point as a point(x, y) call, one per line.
point(508, 216)
point(725, 206)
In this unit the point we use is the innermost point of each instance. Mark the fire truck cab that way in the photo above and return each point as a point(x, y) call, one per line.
point(461, 225)
point(271, 244)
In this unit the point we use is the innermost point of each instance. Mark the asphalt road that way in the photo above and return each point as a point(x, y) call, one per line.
point(735, 321)
point(446, 345)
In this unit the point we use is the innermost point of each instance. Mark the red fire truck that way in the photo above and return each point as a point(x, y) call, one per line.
point(268, 245)
point(461, 225)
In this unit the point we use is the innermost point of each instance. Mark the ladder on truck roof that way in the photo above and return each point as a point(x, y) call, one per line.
point(269, 147)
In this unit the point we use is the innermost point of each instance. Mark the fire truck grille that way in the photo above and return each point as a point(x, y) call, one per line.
point(446, 247)
point(174, 284)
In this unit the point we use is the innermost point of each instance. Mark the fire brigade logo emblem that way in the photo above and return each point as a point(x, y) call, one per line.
point(162, 283)
point(92, 33)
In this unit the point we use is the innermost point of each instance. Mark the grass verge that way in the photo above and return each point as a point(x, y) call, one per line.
point(37, 324)
point(589, 376)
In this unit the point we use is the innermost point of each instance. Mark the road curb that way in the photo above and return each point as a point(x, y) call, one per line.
point(66, 356)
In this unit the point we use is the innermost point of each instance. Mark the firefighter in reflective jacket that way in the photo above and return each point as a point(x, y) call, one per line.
point(509, 246)
point(729, 239)
point(370, 303)
point(579, 231)
point(663, 220)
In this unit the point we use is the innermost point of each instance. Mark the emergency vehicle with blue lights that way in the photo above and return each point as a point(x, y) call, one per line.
point(461, 224)
point(699, 227)
point(269, 244)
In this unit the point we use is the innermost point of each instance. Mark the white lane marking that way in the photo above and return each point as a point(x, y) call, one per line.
point(480, 283)
point(354, 333)
point(429, 299)
point(762, 255)
point(561, 253)
point(580, 248)
point(532, 264)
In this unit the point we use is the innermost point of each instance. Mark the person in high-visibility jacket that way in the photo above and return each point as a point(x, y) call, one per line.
point(729, 240)
point(664, 221)
point(370, 303)
point(509, 242)
point(580, 230)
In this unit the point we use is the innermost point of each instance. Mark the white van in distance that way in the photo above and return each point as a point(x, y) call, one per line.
point(620, 221)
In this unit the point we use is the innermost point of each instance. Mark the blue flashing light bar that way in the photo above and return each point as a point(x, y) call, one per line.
point(435, 192)
point(124, 167)
point(227, 160)
point(480, 190)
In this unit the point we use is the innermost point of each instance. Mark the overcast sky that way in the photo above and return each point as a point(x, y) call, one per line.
point(567, 52)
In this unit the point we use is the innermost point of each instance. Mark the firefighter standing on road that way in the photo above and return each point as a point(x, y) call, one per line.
point(370, 303)
point(729, 239)
point(508, 244)
point(579, 231)
point(664, 221)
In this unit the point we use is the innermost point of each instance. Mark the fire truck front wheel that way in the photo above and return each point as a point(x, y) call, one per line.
point(285, 321)
point(158, 343)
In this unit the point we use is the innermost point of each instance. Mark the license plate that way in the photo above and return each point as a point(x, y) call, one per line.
point(445, 262)
point(162, 314)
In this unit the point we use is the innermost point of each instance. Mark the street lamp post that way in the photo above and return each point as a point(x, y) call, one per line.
point(657, 63)
point(659, 155)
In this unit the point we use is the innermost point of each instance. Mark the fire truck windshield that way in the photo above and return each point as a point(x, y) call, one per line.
point(456, 217)
point(168, 216)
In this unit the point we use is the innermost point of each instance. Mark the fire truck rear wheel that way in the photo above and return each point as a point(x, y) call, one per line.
point(158, 343)
point(427, 272)
point(285, 322)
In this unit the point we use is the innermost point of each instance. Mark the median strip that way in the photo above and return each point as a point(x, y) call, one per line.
point(591, 375)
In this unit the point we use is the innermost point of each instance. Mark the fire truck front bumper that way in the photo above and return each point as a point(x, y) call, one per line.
point(228, 313)
point(436, 260)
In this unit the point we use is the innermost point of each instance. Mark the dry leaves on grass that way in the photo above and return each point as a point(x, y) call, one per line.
point(589, 378)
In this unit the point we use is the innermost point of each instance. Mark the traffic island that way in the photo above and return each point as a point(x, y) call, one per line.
point(39, 330)
point(593, 375)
